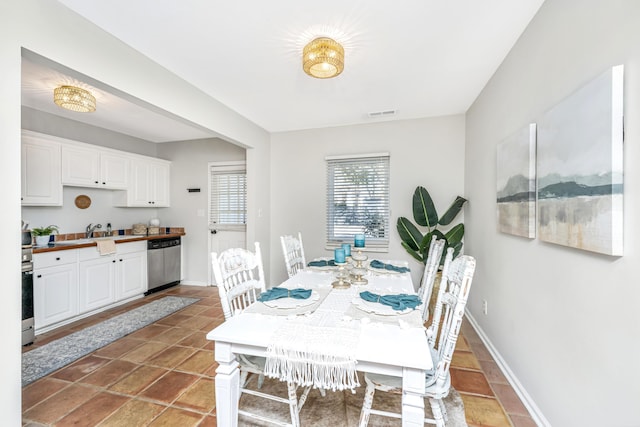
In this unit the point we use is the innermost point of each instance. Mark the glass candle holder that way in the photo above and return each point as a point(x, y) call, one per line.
point(347, 249)
point(339, 256)
point(359, 241)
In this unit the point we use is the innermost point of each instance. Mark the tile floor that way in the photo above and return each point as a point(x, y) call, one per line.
point(162, 375)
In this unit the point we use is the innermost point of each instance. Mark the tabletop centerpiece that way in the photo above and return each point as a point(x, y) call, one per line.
point(340, 259)
point(358, 271)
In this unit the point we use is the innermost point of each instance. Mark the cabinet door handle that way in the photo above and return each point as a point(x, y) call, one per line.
point(39, 276)
point(96, 182)
point(58, 258)
point(113, 261)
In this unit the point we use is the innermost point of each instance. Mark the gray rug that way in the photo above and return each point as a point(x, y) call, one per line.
point(50, 357)
point(337, 409)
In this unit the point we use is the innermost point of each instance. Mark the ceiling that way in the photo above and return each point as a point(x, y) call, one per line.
point(420, 58)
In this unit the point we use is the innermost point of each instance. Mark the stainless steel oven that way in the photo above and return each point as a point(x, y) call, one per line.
point(28, 332)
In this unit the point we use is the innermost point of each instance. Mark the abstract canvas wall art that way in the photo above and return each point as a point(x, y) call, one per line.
point(516, 180)
point(580, 168)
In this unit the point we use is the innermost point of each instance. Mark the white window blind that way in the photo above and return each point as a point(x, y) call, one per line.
point(228, 197)
point(358, 199)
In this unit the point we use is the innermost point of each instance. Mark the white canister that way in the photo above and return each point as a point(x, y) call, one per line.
point(154, 222)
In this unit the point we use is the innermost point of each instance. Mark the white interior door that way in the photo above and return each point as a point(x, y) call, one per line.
point(227, 207)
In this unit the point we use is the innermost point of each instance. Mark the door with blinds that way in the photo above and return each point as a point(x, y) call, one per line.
point(227, 207)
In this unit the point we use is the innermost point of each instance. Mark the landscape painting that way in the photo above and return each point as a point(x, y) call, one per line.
point(516, 180)
point(580, 168)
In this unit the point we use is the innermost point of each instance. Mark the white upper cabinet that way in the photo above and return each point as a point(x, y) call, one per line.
point(148, 186)
point(40, 173)
point(92, 167)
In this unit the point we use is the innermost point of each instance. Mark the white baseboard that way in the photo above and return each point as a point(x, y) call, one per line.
point(193, 283)
point(526, 399)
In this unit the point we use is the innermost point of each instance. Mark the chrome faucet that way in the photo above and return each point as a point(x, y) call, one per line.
point(90, 228)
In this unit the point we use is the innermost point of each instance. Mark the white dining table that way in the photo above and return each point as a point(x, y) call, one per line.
point(386, 344)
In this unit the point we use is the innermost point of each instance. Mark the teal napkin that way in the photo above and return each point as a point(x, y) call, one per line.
point(322, 263)
point(277, 293)
point(382, 266)
point(397, 302)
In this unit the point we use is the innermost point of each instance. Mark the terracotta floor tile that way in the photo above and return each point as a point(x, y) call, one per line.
point(493, 372)
point(60, 404)
point(118, 348)
point(480, 351)
point(145, 352)
point(470, 382)
point(134, 413)
point(461, 344)
point(199, 397)
point(40, 390)
point(484, 411)
point(169, 387)
point(195, 323)
point(209, 421)
point(171, 357)
point(94, 410)
point(172, 335)
point(509, 399)
point(109, 373)
point(80, 368)
point(177, 417)
point(197, 339)
point(173, 319)
point(465, 359)
point(199, 362)
point(149, 331)
point(522, 421)
point(138, 380)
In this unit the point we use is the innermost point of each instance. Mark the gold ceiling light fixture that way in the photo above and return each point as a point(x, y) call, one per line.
point(74, 98)
point(323, 58)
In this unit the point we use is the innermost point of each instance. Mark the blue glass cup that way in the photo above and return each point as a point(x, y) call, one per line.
point(338, 256)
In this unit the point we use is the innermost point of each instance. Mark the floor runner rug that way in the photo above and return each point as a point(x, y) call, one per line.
point(50, 357)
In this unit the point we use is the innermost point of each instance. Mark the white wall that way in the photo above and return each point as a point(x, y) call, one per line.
point(427, 152)
point(52, 31)
point(189, 169)
point(565, 321)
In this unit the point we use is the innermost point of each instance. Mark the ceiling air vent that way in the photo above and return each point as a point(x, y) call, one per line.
point(385, 113)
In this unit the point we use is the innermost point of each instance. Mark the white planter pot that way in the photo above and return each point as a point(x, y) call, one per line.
point(42, 240)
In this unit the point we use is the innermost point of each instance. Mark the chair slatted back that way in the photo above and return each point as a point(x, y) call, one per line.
point(293, 252)
point(457, 276)
point(436, 247)
point(239, 275)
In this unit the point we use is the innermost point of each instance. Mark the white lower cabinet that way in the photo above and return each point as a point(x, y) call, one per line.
point(55, 287)
point(72, 282)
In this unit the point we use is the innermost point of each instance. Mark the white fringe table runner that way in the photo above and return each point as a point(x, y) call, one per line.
point(317, 351)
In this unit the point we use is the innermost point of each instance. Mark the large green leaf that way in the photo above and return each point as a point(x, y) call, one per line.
point(424, 211)
point(409, 233)
point(453, 211)
point(455, 235)
point(412, 252)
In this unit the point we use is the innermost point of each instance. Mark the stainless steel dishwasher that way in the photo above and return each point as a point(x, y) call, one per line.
point(163, 263)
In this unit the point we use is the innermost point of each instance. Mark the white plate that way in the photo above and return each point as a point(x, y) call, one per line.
point(293, 302)
point(325, 268)
point(377, 308)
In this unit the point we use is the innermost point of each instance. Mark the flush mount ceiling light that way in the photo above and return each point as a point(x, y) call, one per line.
point(323, 58)
point(75, 99)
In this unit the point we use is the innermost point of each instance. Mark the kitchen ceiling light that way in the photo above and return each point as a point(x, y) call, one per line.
point(75, 99)
point(323, 58)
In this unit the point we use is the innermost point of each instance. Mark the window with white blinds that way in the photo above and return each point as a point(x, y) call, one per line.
point(358, 199)
point(228, 196)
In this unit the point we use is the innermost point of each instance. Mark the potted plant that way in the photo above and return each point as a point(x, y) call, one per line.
point(426, 215)
point(42, 234)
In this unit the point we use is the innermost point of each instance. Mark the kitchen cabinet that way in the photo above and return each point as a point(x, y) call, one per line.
point(105, 279)
point(148, 186)
point(41, 183)
point(86, 166)
point(55, 287)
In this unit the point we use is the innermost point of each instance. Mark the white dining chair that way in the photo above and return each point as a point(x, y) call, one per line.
point(436, 248)
point(239, 276)
point(293, 252)
point(454, 291)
